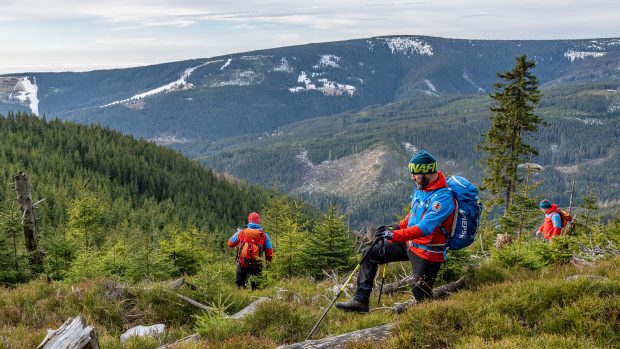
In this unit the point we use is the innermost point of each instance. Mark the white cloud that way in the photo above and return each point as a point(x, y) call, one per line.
point(148, 30)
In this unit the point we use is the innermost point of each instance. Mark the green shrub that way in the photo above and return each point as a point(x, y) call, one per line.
point(454, 266)
point(489, 273)
point(279, 321)
point(542, 311)
point(215, 328)
point(532, 255)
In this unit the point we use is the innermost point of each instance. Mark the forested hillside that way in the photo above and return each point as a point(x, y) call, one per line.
point(101, 188)
point(580, 139)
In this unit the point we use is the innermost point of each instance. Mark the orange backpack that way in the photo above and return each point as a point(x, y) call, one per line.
point(566, 217)
point(250, 250)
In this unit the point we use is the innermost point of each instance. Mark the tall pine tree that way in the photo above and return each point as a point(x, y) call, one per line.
point(512, 118)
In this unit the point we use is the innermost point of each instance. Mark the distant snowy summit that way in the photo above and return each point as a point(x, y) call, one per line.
point(22, 91)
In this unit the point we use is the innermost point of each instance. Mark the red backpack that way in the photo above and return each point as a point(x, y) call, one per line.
point(251, 246)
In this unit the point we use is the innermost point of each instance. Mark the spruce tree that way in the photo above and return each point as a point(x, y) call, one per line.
point(512, 118)
point(13, 257)
point(523, 213)
point(329, 247)
point(284, 223)
point(588, 213)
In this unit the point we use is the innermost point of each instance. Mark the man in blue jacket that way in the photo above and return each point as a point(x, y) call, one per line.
point(419, 238)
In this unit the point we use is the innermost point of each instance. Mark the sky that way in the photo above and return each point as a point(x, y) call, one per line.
point(82, 35)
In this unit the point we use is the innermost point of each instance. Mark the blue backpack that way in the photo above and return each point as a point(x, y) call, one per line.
point(467, 220)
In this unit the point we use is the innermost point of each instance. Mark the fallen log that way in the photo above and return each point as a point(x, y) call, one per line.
point(247, 310)
point(73, 334)
point(583, 276)
point(447, 289)
point(143, 331)
point(438, 292)
point(378, 333)
point(397, 285)
point(191, 301)
point(191, 338)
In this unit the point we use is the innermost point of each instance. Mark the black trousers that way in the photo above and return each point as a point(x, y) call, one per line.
point(424, 271)
point(244, 273)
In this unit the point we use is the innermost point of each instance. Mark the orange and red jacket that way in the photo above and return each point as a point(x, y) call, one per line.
point(253, 230)
point(432, 208)
point(552, 225)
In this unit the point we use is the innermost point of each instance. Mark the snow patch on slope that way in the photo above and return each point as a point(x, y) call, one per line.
point(432, 91)
point(613, 107)
point(573, 55)
point(179, 84)
point(25, 92)
point(240, 78)
point(430, 85)
point(407, 45)
point(328, 61)
point(284, 66)
point(466, 77)
point(410, 148)
point(226, 64)
point(587, 121)
point(167, 140)
point(328, 88)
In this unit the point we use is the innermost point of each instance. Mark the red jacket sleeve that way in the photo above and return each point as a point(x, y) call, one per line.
point(407, 234)
point(403, 223)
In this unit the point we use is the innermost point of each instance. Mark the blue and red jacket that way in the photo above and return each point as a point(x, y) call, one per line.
point(432, 209)
point(552, 225)
point(251, 229)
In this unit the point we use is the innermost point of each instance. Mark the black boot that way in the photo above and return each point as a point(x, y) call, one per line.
point(353, 305)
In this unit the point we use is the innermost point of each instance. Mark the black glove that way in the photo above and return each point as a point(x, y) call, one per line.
point(384, 233)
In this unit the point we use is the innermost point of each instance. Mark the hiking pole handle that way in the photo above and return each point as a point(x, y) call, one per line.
point(341, 290)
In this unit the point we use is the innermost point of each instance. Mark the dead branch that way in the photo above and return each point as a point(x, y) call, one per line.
point(438, 292)
point(378, 333)
point(190, 301)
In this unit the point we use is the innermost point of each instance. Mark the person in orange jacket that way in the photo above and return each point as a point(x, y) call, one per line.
point(552, 225)
point(253, 243)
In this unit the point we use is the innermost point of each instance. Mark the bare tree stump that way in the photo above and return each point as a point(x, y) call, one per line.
point(176, 284)
point(29, 221)
point(378, 333)
point(73, 334)
point(502, 240)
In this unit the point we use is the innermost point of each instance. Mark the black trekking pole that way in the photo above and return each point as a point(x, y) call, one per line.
point(342, 288)
point(381, 253)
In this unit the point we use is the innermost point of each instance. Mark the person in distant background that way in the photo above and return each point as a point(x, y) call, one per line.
point(552, 225)
point(253, 243)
